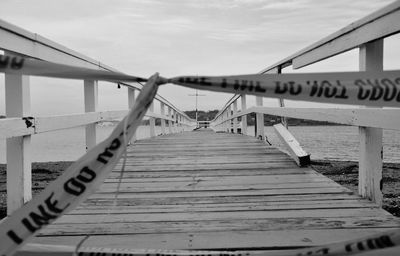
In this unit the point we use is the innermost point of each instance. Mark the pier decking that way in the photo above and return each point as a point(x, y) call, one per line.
point(207, 190)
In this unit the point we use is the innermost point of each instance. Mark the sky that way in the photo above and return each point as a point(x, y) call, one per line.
point(182, 37)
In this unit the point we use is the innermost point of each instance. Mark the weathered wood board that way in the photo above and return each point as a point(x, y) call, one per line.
point(206, 190)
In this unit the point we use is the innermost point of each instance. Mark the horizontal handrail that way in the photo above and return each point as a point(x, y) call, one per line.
point(228, 103)
point(14, 127)
point(23, 42)
point(369, 117)
point(379, 24)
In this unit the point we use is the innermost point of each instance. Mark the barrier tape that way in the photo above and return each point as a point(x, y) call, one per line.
point(355, 88)
point(78, 181)
point(358, 246)
point(34, 67)
point(86, 174)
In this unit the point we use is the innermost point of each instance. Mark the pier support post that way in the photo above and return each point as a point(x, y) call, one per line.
point(19, 174)
point(91, 103)
point(259, 119)
point(244, 118)
point(162, 106)
point(152, 121)
point(370, 159)
point(131, 103)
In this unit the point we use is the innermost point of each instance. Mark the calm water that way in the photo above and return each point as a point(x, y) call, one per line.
point(335, 142)
point(323, 142)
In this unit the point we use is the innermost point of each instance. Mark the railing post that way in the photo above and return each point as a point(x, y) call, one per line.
point(244, 117)
point(284, 120)
point(91, 102)
point(259, 119)
point(152, 121)
point(169, 121)
point(370, 159)
point(177, 122)
point(162, 106)
point(228, 118)
point(174, 122)
point(131, 102)
point(19, 174)
point(227, 121)
point(235, 120)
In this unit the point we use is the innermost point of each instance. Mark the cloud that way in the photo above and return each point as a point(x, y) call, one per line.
point(179, 37)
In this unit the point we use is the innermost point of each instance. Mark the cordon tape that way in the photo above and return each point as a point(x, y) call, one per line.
point(83, 177)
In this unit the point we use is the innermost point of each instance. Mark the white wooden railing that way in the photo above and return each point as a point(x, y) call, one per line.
point(19, 125)
point(367, 35)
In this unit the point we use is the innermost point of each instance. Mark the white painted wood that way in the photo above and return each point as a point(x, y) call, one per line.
point(19, 174)
point(228, 118)
point(244, 117)
point(15, 127)
point(260, 120)
point(170, 119)
point(91, 103)
point(381, 23)
point(371, 117)
point(371, 151)
point(301, 157)
point(162, 119)
point(18, 40)
point(152, 121)
point(235, 120)
point(131, 103)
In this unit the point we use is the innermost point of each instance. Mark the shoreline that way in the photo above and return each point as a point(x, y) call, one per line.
point(343, 172)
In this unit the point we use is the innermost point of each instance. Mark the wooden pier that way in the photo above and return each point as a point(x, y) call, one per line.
point(208, 190)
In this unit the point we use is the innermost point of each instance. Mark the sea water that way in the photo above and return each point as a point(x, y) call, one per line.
point(322, 142)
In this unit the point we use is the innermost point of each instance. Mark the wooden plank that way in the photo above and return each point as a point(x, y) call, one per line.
point(218, 240)
point(185, 191)
point(273, 201)
point(301, 157)
point(215, 207)
point(109, 227)
point(252, 192)
point(222, 216)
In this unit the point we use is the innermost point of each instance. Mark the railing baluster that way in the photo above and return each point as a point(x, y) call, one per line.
point(19, 174)
point(152, 121)
point(259, 119)
point(370, 159)
point(244, 118)
point(169, 121)
point(235, 120)
point(131, 102)
point(91, 103)
point(162, 106)
point(228, 117)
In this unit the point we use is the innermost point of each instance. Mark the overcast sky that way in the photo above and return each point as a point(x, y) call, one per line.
point(181, 37)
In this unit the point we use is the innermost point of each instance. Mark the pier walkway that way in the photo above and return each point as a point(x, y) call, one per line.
point(208, 190)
